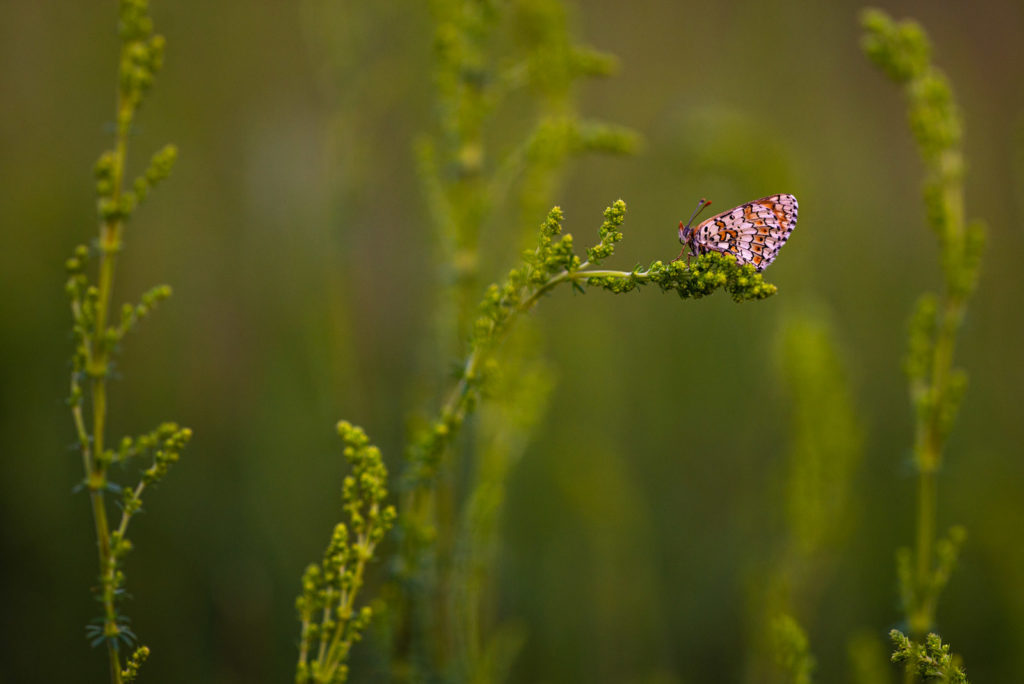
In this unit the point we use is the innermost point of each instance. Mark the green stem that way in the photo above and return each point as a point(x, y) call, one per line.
point(122, 528)
point(98, 363)
point(921, 619)
point(340, 646)
point(576, 276)
point(930, 440)
point(303, 643)
point(322, 653)
point(97, 478)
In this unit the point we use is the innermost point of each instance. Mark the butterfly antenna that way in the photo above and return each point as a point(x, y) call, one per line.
point(700, 207)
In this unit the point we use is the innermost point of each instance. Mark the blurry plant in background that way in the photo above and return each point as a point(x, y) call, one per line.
point(824, 424)
point(826, 449)
point(485, 55)
point(827, 440)
point(97, 342)
point(936, 386)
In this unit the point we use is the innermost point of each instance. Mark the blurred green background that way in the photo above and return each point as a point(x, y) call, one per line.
point(650, 505)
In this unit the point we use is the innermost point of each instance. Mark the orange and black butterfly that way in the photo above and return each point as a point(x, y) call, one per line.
point(753, 232)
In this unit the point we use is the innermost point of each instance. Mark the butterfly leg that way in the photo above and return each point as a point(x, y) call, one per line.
point(686, 254)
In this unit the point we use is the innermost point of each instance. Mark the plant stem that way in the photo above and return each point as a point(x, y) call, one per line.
point(921, 617)
point(930, 433)
point(97, 367)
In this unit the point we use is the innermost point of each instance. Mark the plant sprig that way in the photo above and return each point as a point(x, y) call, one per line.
point(902, 51)
point(97, 339)
point(930, 660)
point(327, 606)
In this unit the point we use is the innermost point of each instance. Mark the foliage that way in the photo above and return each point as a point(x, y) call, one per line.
point(97, 341)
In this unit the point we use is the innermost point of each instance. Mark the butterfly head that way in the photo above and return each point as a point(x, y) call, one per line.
point(685, 231)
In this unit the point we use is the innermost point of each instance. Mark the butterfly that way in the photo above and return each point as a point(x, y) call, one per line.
point(753, 232)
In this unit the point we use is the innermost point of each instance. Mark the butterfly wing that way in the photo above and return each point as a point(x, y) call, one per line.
point(753, 232)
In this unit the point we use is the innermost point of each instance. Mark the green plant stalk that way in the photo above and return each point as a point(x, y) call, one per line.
point(139, 59)
point(902, 51)
point(929, 437)
point(921, 615)
point(95, 477)
point(517, 398)
point(928, 451)
point(462, 34)
point(97, 366)
point(460, 204)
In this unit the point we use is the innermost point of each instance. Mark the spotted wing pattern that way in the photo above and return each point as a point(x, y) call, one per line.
point(753, 232)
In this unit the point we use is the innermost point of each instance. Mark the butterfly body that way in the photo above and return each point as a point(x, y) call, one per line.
point(753, 233)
